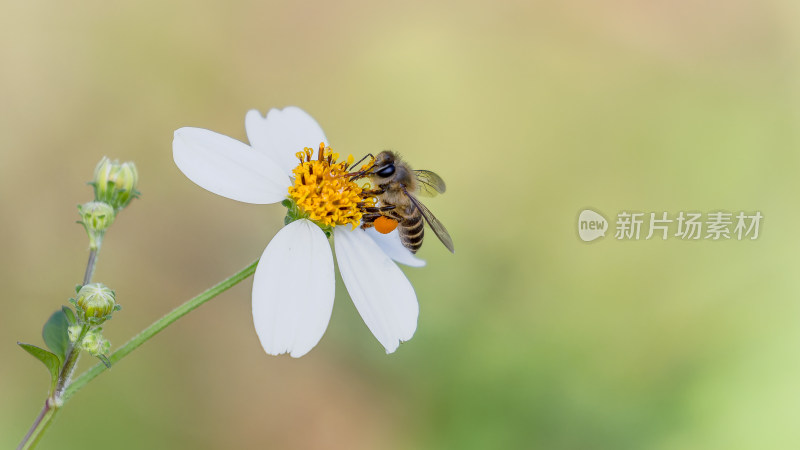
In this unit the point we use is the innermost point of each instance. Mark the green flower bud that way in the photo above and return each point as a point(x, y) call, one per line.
point(95, 303)
point(115, 183)
point(95, 343)
point(101, 173)
point(96, 217)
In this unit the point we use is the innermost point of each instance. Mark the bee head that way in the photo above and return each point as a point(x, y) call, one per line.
point(384, 164)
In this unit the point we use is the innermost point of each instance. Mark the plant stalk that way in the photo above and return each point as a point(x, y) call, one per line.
point(66, 389)
point(159, 325)
point(87, 276)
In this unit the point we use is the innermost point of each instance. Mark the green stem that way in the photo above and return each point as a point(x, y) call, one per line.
point(39, 425)
point(69, 365)
point(159, 325)
point(54, 403)
point(48, 413)
point(54, 400)
point(87, 277)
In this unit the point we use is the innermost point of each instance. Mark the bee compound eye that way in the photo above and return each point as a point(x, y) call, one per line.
point(386, 171)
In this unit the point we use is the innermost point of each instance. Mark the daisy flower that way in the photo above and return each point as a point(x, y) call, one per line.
point(293, 286)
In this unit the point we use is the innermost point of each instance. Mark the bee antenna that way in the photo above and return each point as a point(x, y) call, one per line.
point(368, 155)
point(360, 173)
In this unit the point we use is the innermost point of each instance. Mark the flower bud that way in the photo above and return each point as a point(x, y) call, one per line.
point(115, 183)
point(95, 303)
point(96, 217)
point(95, 343)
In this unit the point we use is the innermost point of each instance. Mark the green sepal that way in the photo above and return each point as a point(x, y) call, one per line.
point(293, 212)
point(50, 360)
point(327, 229)
point(70, 315)
point(104, 359)
point(78, 286)
point(55, 334)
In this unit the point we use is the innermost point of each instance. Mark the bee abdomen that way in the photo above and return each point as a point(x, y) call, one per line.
point(411, 231)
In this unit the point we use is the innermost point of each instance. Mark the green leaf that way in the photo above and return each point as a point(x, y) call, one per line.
point(50, 360)
point(70, 315)
point(55, 334)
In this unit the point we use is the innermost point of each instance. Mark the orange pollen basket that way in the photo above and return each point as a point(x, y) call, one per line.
point(385, 225)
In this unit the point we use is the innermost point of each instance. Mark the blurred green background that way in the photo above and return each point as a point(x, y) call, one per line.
point(531, 110)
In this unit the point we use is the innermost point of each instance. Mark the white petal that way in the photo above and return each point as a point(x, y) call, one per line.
point(382, 294)
point(391, 245)
point(293, 290)
point(283, 133)
point(228, 167)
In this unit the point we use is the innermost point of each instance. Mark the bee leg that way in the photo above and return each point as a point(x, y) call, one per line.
point(395, 215)
point(378, 209)
point(385, 211)
point(371, 192)
point(368, 220)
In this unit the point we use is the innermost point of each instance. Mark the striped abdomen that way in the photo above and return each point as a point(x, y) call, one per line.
point(411, 230)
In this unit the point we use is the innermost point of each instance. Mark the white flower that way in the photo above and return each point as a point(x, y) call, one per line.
point(293, 286)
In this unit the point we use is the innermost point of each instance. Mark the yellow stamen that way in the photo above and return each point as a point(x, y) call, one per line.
point(321, 190)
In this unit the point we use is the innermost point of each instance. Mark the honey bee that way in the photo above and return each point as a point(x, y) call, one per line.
point(396, 186)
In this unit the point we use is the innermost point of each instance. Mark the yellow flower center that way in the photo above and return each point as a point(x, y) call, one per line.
point(324, 192)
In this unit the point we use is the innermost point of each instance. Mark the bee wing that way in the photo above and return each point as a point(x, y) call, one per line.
point(429, 184)
point(438, 229)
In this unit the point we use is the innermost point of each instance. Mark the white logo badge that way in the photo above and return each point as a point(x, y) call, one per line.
point(591, 225)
